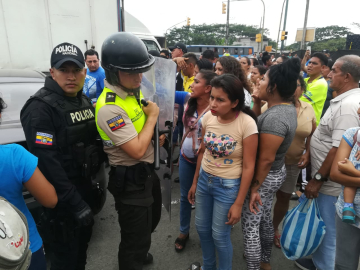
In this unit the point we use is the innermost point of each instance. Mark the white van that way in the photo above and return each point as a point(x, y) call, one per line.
point(32, 30)
point(133, 25)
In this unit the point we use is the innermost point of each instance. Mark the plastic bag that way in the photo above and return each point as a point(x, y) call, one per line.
point(303, 230)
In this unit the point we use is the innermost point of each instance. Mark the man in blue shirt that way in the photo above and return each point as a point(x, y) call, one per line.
point(95, 75)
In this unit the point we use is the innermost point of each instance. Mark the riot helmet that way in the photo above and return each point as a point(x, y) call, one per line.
point(125, 52)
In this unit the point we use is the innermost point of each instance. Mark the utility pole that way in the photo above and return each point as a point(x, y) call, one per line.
point(284, 28)
point(277, 42)
point(261, 39)
point(303, 41)
point(227, 22)
point(263, 26)
point(121, 12)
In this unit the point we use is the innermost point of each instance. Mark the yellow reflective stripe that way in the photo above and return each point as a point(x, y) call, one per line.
point(129, 105)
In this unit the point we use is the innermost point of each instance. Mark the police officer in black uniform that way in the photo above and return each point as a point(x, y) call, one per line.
point(126, 127)
point(60, 129)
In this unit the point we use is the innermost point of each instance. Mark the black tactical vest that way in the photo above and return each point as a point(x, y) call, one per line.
point(77, 133)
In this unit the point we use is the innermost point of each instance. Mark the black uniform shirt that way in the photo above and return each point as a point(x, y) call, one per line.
point(40, 123)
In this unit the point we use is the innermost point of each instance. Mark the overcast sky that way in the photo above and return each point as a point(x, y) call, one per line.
point(158, 15)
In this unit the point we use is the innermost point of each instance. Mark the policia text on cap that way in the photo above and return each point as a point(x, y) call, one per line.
point(126, 128)
point(59, 125)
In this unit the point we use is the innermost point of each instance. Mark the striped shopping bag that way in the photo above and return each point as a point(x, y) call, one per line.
point(303, 230)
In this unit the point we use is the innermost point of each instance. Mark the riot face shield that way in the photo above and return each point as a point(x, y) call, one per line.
point(158, 85)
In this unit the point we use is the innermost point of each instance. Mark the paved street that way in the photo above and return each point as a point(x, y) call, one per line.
point(103, 248)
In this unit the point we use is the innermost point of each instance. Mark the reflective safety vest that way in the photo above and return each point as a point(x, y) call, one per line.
point(226, 54)
point(129, 105)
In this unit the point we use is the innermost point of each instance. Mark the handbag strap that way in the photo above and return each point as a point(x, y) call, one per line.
point(193, 125)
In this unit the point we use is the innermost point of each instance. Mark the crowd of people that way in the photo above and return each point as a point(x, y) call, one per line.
point(248, 129)
point(300, 111)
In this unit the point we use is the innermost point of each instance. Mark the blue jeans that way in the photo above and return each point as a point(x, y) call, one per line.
point(186, 176)
point(324, 256)
point(214, 197)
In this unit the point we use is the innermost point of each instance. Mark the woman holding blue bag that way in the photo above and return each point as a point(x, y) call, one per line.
point(276, 127)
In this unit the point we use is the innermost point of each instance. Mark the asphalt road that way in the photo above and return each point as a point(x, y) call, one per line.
point(102, 253)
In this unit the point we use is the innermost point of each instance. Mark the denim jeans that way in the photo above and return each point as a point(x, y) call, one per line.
point(186, 176)
point(324, 256)
point(38, 260)
point(214, 197)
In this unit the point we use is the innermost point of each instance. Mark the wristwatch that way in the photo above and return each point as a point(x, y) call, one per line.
point(319, 177)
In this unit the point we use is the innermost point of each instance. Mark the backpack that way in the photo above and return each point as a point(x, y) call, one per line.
point(15, 251)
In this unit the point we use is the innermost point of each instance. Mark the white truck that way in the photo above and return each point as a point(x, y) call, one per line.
point(30, 29)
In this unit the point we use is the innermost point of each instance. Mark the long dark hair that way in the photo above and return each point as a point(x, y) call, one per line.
point(247, 60)
point(303, 86)
point(266, 57)
point(255, 62)
point(262, 70)
point(207, 75)
point(284, 77)
point(205, 64)
point(232, 66)
point(231, 84)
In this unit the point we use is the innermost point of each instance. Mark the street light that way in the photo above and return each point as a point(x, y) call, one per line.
point(172, 27)
point(263, 19)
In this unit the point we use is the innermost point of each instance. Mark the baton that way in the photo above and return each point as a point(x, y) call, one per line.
point(156, 138)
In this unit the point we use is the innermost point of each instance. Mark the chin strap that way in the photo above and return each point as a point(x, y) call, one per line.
point(134, 91)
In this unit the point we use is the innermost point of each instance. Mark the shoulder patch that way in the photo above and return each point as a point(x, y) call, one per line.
point(44, 138)
point(110, 97)
point(116, 123)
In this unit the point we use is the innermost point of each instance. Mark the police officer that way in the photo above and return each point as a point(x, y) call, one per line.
point(126, 128)
point(60, 129)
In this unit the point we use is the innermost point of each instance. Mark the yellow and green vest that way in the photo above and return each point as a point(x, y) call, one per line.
point(129, 105)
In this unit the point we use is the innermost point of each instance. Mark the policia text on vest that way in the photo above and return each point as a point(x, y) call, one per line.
point(59, 126)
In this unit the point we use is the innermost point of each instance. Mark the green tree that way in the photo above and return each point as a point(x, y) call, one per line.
point(330, 38)
point(295, 46)
point(356, 24)
point(213, 34)
point(331, 32)
point(272, 43)
point(330, 44)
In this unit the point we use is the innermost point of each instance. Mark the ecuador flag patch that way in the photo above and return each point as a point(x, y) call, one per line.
point(44, 138)
point(116, 123)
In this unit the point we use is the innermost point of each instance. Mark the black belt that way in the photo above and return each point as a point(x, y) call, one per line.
point(150, 166)
point(136, 174)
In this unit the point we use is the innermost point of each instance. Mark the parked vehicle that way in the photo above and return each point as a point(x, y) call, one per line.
point(32, 30)
point(16, 87)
